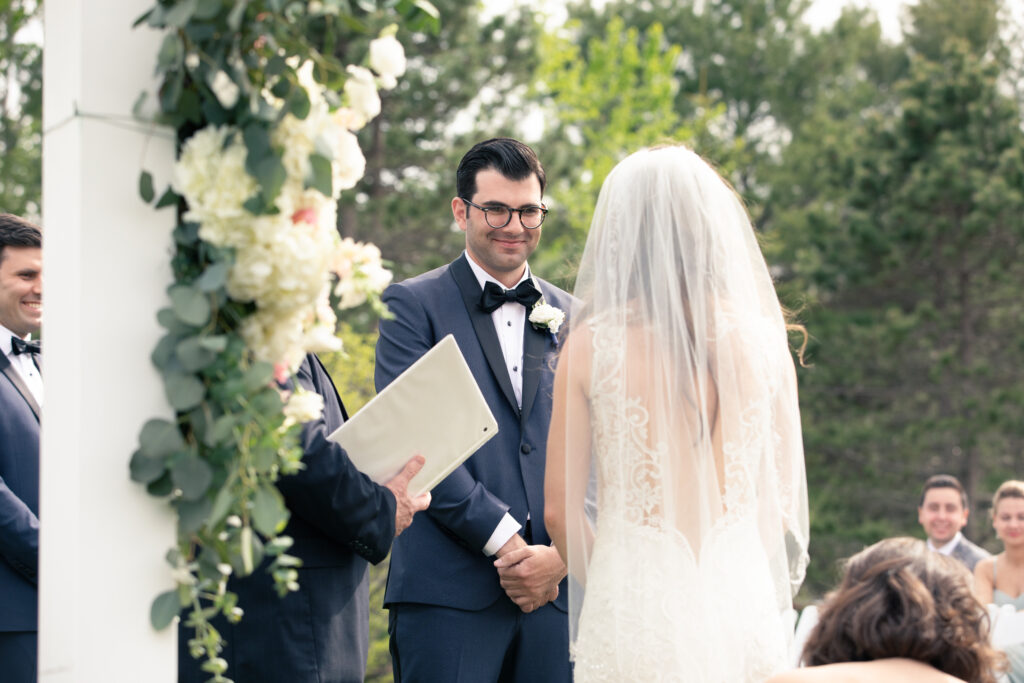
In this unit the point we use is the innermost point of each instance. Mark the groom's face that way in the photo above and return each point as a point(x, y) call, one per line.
point(502, 252)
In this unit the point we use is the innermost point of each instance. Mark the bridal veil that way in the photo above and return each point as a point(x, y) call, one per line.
point(685, 492)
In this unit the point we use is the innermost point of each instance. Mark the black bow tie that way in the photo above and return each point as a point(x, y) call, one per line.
point(19, 346)
point(495, 295)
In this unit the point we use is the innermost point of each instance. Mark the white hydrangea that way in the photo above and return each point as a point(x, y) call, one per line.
point(283, 261)
point(303, 406)
point(212, 177)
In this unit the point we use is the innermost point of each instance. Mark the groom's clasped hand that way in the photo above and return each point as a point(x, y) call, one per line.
point(529, 573)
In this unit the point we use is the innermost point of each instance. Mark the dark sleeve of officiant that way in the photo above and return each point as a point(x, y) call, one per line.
point(333, 503)
point(339, 520)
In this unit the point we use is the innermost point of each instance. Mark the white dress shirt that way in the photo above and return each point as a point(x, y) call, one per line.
point(509, 322)
point(948, 548)
point(22, 363)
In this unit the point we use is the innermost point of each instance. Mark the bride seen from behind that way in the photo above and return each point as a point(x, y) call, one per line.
point(675, 405)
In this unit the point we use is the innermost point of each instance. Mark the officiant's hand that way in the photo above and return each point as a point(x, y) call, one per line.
point(405, 505)
point(529, 573)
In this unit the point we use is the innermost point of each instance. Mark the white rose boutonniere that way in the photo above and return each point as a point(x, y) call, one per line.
point(544, 316)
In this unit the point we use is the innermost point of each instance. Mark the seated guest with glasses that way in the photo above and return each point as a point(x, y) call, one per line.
point(901, 613)
point(476, 592)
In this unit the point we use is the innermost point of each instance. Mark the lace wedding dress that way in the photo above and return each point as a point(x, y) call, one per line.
point(666, 601)
point(685, 495)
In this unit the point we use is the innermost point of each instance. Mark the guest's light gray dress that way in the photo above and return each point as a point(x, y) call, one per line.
point(1014, 653)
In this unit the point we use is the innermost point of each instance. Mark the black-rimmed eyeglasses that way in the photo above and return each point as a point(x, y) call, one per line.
point(499, 216)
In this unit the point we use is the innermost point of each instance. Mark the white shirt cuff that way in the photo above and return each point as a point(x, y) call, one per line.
point(507, 528)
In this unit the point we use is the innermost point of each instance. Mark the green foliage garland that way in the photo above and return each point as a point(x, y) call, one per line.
point(248, 71)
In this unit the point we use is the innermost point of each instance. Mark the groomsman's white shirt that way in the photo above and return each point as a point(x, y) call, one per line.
point(24, 365)
point(948, 548)
point(509, 321)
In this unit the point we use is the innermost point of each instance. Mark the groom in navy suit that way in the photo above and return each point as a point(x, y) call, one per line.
point(21, 399)
point(476, 592)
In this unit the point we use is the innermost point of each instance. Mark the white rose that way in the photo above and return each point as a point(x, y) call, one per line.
point(547, 316)
point(361, 92)
point(225, 89)
point(387, 58)
point(304, 406)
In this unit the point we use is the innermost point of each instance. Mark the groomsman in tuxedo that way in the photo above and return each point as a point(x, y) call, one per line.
point(21, 400)
point(943, 513)
point(340, 521)
point(476, 592)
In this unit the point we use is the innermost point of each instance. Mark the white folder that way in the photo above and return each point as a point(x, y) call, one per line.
point(434, 409)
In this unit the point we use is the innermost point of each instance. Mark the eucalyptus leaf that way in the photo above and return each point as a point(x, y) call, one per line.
point(192, 514)
point(159, 438)
point(146, 468)
point(172, 51)
point(267, 402)
point(321, 177)
point(258, 375)
point(170, 92)
point(222, 504)
point(140, 102)
point(161, 487)
point(275, 65)
point(263, 458)
point(221, 431)
point(183, 391)
point(193, 355)
point(169, 321)
point(192, 475)
point(257, 143)
point(182, 11)
point(236, 14)
point(207, 9)
point(161, 355)
point(214, 277)
point(270, 174)
point(269, 515)
point(168, 198)
point(190, 305)
point(146, 186)
point(216, 343)
point(249, 554)
point(298, 103)
point(165, 607)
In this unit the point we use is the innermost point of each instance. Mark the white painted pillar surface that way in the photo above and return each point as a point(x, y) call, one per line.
point(105, 269)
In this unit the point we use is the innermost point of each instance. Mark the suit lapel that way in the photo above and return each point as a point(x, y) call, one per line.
point(535, 345)
point(483, 325)
point(8, 371)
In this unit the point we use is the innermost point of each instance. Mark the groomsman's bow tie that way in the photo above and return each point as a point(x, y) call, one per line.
point(19, 346)
point(495, 295)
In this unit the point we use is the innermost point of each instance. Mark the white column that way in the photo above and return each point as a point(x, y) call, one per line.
point(106, 266)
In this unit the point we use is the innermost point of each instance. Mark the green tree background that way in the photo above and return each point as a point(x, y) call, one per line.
point(885, 179)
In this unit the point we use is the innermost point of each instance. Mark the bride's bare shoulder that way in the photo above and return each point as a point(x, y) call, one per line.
point(879, 671)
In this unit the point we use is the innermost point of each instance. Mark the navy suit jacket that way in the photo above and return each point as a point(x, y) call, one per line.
point(340, 519)
point(19, 501)
point(438, 560)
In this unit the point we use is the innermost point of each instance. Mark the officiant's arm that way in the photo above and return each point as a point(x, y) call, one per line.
point(460, 503)
point(334, 496)
point(19, 534)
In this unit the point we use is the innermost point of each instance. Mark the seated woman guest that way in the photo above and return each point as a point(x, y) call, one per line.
point(1000, 579)
point(901, 613)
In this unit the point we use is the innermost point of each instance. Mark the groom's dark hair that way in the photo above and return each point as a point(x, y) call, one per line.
point(15, 231)
point(511, 158)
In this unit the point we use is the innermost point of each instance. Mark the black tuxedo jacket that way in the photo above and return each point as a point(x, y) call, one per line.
point(340, 519)
point(19, 501)
point(439, 559)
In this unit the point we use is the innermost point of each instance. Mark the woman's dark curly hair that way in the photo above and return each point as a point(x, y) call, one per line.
point(899, 599)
